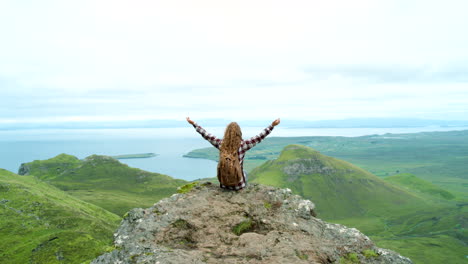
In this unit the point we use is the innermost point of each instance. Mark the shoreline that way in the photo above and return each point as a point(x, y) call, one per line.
point(135, 156)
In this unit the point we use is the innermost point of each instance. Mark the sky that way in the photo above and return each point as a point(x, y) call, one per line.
point(103, 60)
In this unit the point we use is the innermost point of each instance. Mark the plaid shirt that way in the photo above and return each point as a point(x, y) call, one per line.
point(244, 146)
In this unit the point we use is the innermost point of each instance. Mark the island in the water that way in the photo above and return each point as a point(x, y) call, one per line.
point(135, 156)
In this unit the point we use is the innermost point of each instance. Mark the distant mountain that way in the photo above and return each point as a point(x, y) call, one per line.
point(42, 224)
point(103, 181)
point(374, 123)
point(340, 189)
point(95, 125)
point(289, 123)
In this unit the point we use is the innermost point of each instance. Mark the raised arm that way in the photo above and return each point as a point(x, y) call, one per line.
point(216, 142)
point(250, 143)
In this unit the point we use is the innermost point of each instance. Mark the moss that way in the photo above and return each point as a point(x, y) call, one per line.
point(243, 227)
point(267, 205)
point(350, 258)
point(301, 255)
point(108, 249)
point(157, 212)
point(186, 242)
point(369, 253)
point(181, 224)
point(206, 184)
point(353, 257)
point(187, 187)
point(133, 258)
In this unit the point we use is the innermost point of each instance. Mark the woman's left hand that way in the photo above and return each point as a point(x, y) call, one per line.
point(190, 121)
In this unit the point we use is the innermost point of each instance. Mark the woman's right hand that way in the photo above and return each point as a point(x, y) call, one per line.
point(190, 121)
point(276, 122)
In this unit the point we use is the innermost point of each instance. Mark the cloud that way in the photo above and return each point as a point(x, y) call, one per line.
point(243, 59)
point(393, 73)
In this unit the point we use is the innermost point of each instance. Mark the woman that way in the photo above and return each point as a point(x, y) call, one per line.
point(233, 143)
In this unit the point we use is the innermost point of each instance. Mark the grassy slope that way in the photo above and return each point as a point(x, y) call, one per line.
point(441, 231)
point(411, 182)
point(397, 217)
point(339, 189)
point(42, 224)
point(104, 181)
point(439, 157)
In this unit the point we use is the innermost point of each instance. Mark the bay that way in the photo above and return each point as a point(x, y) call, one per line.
point(19, 146)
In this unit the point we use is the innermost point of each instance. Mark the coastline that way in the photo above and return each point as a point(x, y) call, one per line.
point(135, 156)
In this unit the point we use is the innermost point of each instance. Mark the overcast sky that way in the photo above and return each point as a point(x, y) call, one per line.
point(312, 60)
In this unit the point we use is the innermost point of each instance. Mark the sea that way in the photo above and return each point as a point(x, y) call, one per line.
point(170, 144)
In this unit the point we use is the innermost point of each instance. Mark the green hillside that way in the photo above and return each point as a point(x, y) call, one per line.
point(42, 224)
point(338, 188)
point(411, 182)
point(397, 217)
point(103, 181)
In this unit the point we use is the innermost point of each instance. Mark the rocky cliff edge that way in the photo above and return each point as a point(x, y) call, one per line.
point(260, 224)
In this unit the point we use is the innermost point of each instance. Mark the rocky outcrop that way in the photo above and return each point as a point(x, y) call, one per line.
point(307, 166)
point(257, 225)
point(24, 169)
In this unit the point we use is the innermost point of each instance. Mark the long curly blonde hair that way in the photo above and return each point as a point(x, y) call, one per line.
point(232, 138)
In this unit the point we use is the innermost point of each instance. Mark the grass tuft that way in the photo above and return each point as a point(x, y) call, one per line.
point(369, 253)
point(187, 187)
point(243, 227)
point(351, 258)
